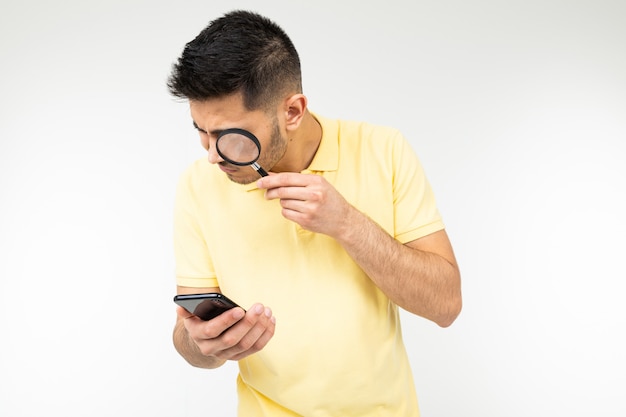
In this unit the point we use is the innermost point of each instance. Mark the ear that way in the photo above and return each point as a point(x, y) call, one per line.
point(295, 108)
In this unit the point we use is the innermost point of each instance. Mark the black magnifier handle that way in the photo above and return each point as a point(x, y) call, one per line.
point(258, 169)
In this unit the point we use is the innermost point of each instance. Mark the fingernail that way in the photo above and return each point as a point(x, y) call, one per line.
point(238, 313)
point(268, 312)
point(258, 308)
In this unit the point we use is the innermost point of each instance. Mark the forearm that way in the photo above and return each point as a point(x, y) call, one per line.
point(422, 282)
point(190, 351)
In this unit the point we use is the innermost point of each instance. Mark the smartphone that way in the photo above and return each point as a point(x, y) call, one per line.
point(206, 306)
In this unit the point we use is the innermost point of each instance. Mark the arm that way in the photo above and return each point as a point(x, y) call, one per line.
point(233, 335)
point(421, 276)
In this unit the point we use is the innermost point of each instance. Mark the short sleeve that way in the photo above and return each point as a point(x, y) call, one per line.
point(194, 267)
point(415, 208)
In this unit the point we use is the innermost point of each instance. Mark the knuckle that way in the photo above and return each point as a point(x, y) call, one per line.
point(258, 345)
point(210, 332)
point(280, 192)
point(255, 349)
point(317, 196)
point(229, 340)
point(246, 345)
point(262, 341)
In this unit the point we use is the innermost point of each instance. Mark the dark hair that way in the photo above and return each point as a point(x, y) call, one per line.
point(238, 52)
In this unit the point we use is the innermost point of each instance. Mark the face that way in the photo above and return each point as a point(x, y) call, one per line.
point(210, 117)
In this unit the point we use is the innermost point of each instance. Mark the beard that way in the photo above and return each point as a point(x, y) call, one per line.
point(269, 157)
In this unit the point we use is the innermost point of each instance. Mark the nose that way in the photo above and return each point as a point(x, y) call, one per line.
point(214, 157)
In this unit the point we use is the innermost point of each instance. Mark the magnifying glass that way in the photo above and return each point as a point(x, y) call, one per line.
point(240, 147)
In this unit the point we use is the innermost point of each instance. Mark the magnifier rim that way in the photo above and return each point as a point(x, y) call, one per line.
point(238, 131)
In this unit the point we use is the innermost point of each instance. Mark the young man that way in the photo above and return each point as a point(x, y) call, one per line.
point(342, 232)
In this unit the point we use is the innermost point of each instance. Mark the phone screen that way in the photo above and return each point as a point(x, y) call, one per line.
point(206, 306)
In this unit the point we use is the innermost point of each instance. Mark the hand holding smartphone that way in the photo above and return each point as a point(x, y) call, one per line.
point(206, 306)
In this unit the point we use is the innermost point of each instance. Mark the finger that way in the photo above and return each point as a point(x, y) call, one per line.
point(255, 340)
point(250, 339)
point(300, 206)
point(237, 332)
point(218, 325)
point(284, 179)
point(266, 336)
point(250, 319)
point(259, 345)
point(296, 193)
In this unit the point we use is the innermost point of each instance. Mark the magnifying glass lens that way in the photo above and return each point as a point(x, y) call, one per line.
point(240, 147)
point(237, 148)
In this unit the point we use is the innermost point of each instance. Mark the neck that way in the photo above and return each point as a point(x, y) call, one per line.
point(302, 147)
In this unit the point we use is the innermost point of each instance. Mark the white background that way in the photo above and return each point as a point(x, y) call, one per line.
point(516, 108)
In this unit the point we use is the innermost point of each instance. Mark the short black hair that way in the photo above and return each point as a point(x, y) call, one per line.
point(242, 52)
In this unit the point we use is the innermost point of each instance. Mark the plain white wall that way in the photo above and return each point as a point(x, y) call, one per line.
point(517, 110)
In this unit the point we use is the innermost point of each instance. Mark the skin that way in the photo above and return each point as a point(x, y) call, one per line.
point(421, 276)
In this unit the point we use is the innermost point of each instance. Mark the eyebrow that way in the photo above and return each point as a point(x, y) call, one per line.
point(215, 132)
point(195, 125)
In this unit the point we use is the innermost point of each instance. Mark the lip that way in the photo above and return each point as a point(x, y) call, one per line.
point(227, 169)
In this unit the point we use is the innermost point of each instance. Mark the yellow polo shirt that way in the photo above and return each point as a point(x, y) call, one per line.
point(337, 349)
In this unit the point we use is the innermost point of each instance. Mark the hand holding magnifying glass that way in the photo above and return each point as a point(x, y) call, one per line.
point(240, 147)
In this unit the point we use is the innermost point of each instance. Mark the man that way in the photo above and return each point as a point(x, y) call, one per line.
point(342, 232)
